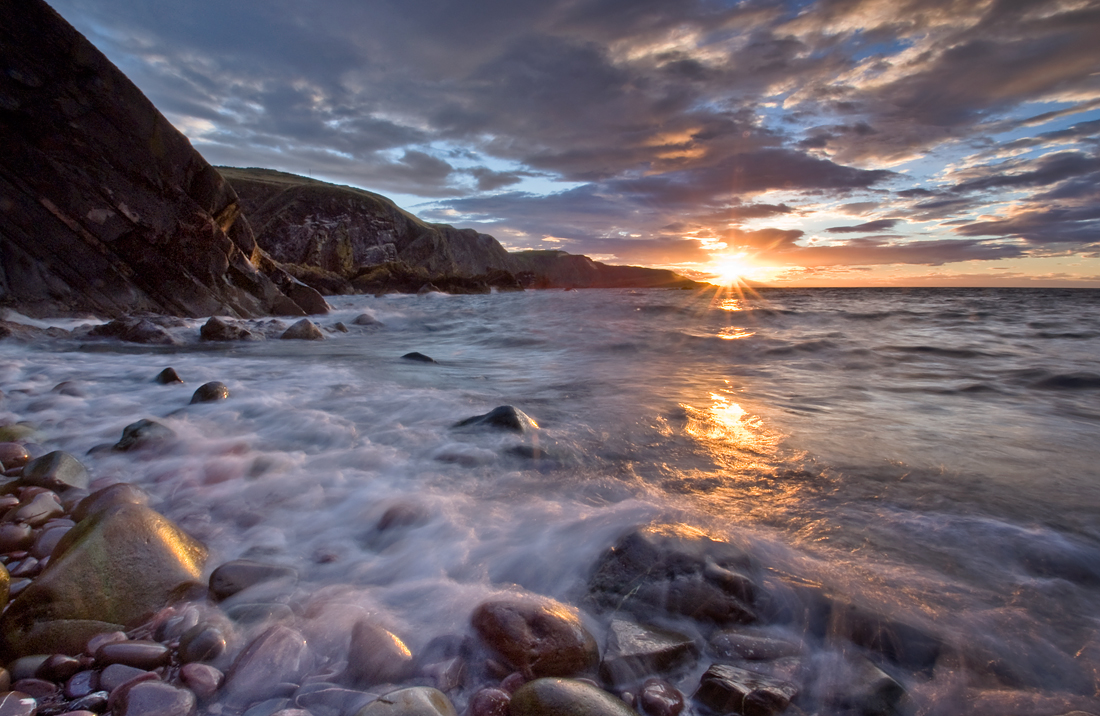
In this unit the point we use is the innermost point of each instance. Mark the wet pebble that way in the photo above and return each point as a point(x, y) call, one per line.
point(489, 702)
point(59, 667)
point(116, 675)
point(117, 494)
point(143, 433)
point(415, 701)
point(140, 654)
point(327, 699)
point(365, 319)
point(340, 327)
point(512, 682)
point(95, 701)
point(418, 357)
point(277, 656)
point(724, 689)
point(565, 697)
point(27, 567)
point(376, 656)
point(660, 698)
point(210, 392)
point(240, 574)
point(15, 703)
point(81, 684)
point(47, 539)
point(55, 471)
point(537, 635)
point(109, 637)
point(201, 642)
point(17, 586)
point(26, 667)
point(7, 502)
point(504, 417)
point(37, 510)
point(202, 679)
point(13, 455)
point(155, 698)
point(15, 537)
point(36, 688)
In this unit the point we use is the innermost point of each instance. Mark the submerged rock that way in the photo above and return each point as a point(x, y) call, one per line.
point(678, 570)
point(135, 330)
point(142, 434)
point(753, 646)
point(240, 574)
point(215, 329)
point(418, 357)
point(278, 656)
point(365, 319)
point(168, 376)
point(727, 689)
point(537, 636)
point(210, 392)
point(634, 652)
point(155, 698)
point(111, 569)
point(504, 417)
point(304, 330)
point(415, 701)
point(565, 697)
point(55, 471)
point(376, 656)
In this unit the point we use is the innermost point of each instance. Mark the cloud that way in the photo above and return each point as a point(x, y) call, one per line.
point(869, 227)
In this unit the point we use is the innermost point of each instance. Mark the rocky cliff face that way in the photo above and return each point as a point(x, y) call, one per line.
point(342, 229)
point(104, 206)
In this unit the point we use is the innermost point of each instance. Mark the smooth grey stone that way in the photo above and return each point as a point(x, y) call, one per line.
point(142, 433)
point(634, 652)
point(240, 574)
point(55, 471)
point(728, 689)
point(325, 699)
point(303, 330)
point(415, 701)
point(168, 376)
point(504, 417)
point(565, 697)
point(210, 392)
point(418, 357)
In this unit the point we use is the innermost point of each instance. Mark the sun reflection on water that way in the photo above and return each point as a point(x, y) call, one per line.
point(731, 434)
point(732, 333)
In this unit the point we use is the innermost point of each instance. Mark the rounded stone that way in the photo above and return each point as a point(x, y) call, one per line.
point(304, 330)
point(15, 703)
point(538, 636)
point(168, 376)
point(13, 455)
point(566, 697)
point(15, 537)
point(26, 667)
point(376, 656)
point(155, 698)
point(201, 643)
point(37, 688)
point(240, 574)
point(489, 702)
point(660, 698)
point(415, 701)
point(140, 654)
point(365, 319)
point(81, 684)
point(202, 679)
point(110, 637)
point(118, 494)
point(142, 434)
point(210, 392)
point(47, 539)
point(59, 667)
point(116, 675)
point(55, 471)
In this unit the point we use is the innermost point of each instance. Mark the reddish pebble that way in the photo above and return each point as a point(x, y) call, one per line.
point(15, 537)
point(119, 693)
point(490, 702)
point(203, 679)
point(116, 675)
point(13, 455)
point(99, 640)
point(81, 684)
point(24, 568)
point(35, 688)
point(142, 654)
point(37, 510)
point(660, 698)
point(15, 703)
point(59, 667)
point(512, 682)
point(8, 501)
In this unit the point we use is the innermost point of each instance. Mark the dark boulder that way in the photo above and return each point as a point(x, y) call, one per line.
point(108, 208)
point(135, 330)
point(504, 417)
point(679, 571)
point(168, 376)
point(216, 329)
point(418, 357)
point(303, 330)
point(210, 392)
point(727, 689)
point(635, 652)
point(143, 433)
point(55, 471)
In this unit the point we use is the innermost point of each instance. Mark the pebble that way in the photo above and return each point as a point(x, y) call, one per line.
point(753, 646)
point(56, 471)
point(210, 392)
point(201, 642)
point(415, 701)
point(538, 636)
point(202, 679)
point(489, 702)
point(340, 327)
point(216, 329)
point(279, 655)
point(14, 703)
point(109, 637)
point(47, 539)
point(565, 697)
point(635, 651)
point(17, 586)
point(240, 574)
point(155, 698)
point(95, 701)
point(660, 698)
point(13, 455)
point(37, 510)
point(26, 667)
point(512, 682)
point(327, 699)
point(59, 667)
point(8, 501)
point(376, 656)
point(81, 684)
point(142, 654)
point(27, 567)
point(5, 680)
point(116, 675)
point(36, 688)
point(14, 536)
point(168, 376)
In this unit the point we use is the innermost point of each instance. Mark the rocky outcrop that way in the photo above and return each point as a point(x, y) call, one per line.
point(104, 206)
point(341, 229)
point(558, 269)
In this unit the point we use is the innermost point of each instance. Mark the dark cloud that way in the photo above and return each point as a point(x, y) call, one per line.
point(1043, 226)
point(1046, 170)
point(867, 228)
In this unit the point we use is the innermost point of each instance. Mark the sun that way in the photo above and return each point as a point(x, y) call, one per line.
point(728, 270)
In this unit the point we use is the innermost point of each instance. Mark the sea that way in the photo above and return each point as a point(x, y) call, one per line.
point(931, 454)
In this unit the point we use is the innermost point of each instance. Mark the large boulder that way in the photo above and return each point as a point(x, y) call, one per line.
point(114, 568)
point(537, 636)
point(106, 206)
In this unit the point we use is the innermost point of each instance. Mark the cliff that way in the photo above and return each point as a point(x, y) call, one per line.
point(558, 269)
point(104, 206)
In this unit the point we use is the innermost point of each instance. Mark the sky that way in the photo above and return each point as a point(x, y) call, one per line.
point(811, 142)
